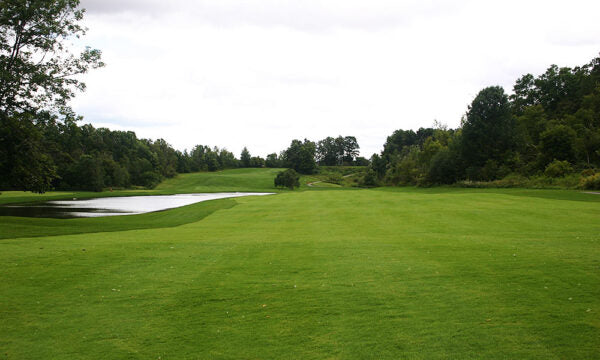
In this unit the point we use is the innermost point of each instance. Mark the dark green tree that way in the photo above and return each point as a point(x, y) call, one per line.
point(272, 161)
point(257, 162)
point(245, 158)
point(288, 178)
point(328, 151)
point(300, 156)
point(489, 130)
point(24, 163)
point(558, 143)
point(350, 150)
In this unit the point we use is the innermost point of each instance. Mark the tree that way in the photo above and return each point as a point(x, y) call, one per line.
point(245, 158)
point(350, 149)
point(300, 156)
point(227, 160)
point(338, 151)
point(488, 133)
point(558, 143)
point(328, 151)
point(272, 161)
point(23, 161)
point(257, 162)
point(361, 161)
point(38, 76)
point(443, 168)
point(288, 178)
point(37, 67)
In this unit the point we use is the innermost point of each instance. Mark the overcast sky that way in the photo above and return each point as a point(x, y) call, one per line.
point(260, 73)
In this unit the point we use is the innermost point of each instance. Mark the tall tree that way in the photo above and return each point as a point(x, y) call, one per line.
point(488, 132)
point(38, 76)
point(37, 67)
point(328, 151)
point(300, 156)
point(350, 149)
point(245, 157)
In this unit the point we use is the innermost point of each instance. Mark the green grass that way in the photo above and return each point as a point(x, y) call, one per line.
point(439, 273)
point(13, 227)
point(257, 180)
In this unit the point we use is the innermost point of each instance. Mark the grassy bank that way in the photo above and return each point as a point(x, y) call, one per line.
point(384, 273)
point(257, 180)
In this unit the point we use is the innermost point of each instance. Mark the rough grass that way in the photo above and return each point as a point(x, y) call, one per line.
point(386, 273)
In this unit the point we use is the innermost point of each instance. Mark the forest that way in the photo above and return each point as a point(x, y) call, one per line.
point(43, 153)
point(547, 129)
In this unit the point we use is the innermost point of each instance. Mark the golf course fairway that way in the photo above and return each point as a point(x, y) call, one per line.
point(399, 273)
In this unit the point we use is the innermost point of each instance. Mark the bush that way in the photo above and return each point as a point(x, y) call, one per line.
point(558, 168)
point(443, 168)
point(369, 179)
point(288, 179)
point(590, 182)
point(588, 172)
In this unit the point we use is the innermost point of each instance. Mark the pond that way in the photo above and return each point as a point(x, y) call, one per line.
point(112, 206)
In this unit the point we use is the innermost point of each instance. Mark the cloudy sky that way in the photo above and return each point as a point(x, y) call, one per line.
point(259, 73)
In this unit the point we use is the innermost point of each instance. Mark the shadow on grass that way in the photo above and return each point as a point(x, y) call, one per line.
point(18, 227)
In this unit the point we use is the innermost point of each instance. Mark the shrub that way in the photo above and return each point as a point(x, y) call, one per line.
point(288, 178)
point(588, 172)
point(369, 179)
point(443, 168)
point(558, 168)
point(590, 182)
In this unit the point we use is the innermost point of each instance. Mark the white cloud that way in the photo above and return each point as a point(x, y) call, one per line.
point(305, 15)
point(261, 73)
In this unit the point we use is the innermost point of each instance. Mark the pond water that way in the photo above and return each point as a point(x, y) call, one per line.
point(111, 206)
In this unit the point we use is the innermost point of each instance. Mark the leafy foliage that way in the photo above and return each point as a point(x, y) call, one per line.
point(337, 151)
point(300, 156)
point(288, 178)
point(558, 168)
point(37, 67)
point(549, 127)
point(591, 182)
point(38, 76)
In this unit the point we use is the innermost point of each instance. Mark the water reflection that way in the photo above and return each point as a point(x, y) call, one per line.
point(112, 206)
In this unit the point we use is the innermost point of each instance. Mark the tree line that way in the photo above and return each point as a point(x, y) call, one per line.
point(41, 145)
point(549, 126)
point(44, 152)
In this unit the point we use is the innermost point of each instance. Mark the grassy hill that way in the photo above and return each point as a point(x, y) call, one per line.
point(258, 180)
point(382, 274)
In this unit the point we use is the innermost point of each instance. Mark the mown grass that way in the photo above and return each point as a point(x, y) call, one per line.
point(360, 274)
point(257, 180)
